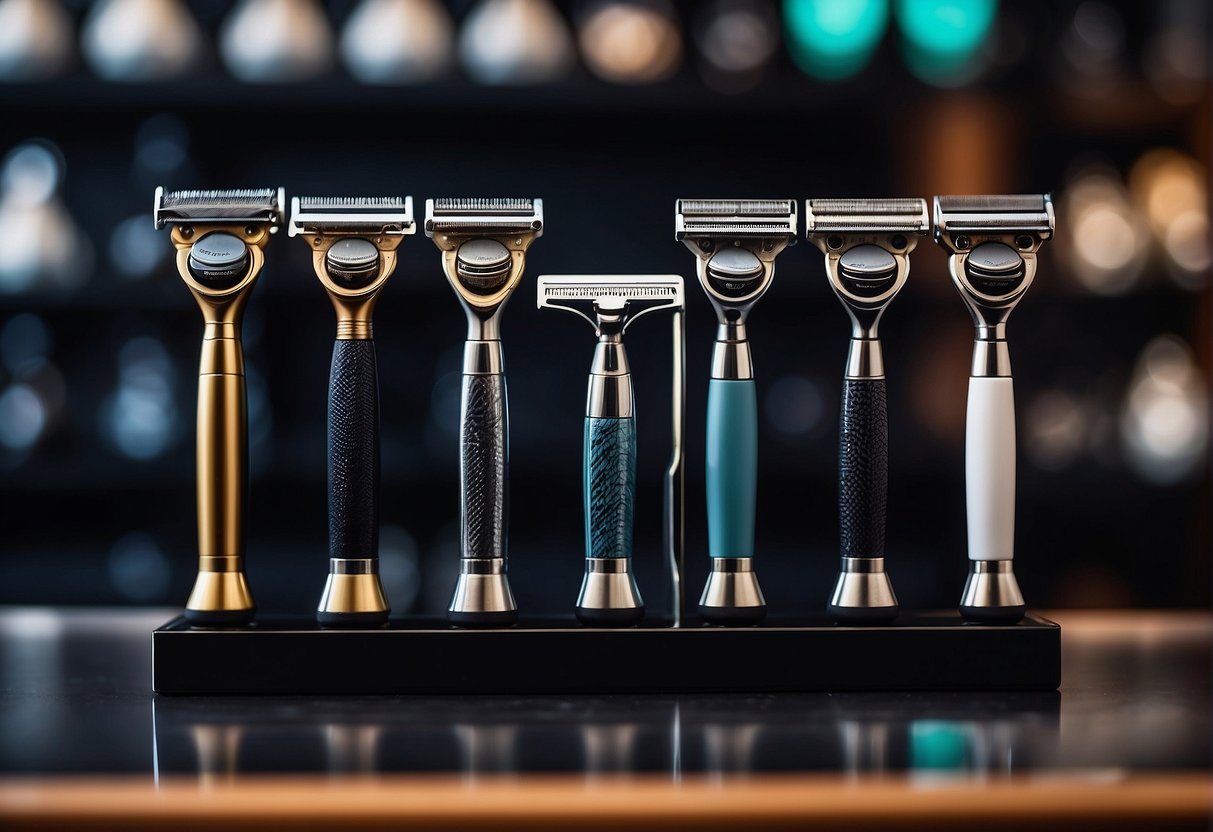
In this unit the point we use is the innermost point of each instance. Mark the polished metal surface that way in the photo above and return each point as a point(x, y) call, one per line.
point(609, 584)
point(610, 397)
point(482, 263)
point(218, 256)
point(483, 358)
point(353, 566)
point(75, 698)
point(731, 353)
point(867, 263)
point(991, 358)
point(732, 585)
point(865, 358)
point(863, 591)
point(354, 593)
point(352, 260)
point(991, 585)
point(482, 587)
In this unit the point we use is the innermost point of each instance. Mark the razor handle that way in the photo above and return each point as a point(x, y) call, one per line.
point(732, 467)
point(863, 468)
point(482, 595)
point(732, 594)
point(353, 594)
point(991, 594)
point(609, 486)
point(220, 597)
point(863, 593)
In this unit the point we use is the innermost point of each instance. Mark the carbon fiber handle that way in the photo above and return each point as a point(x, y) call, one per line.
point(863, 468)
point(610, 487)
point(484, 460)
point(353, 440)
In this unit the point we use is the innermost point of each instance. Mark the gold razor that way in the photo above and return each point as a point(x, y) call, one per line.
point(220, 237)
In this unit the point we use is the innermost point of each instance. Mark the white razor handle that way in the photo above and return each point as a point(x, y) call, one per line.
point(990, 468)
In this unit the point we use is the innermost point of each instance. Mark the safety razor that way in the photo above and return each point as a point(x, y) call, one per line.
point(610, 303)
point(992, 243)
point(353, 242)
point(220, 237)
point(867, 245)
point(735, 243)
point(484, 244)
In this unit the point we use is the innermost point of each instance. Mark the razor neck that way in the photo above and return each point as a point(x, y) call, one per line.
point(484, 323)
point(731, 359)
point(610, 389)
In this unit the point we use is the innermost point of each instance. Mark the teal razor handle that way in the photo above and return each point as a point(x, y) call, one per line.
point(732, 467)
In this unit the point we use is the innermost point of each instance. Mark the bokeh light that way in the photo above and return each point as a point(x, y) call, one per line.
point(515, 42)
point(140, 40)
point(276, 41)
point(737, 41)
point(1165, 419)
point(141, 417)
point(631, 43)
point(834, 39)
point(944, 38)
point(398, 41)
point(139, 570)
point(35, 39)
point(1106, 241)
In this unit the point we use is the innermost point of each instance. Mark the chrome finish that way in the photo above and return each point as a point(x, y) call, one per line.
point(483, 358)
point(610, 357)
point(610, 397)
point(352, 260)
point(609, 585)
point(369, 215)
point(674, 496)
point(984, 238)
point(863, 592)
point(218, 256)
point(482, 588)
point(353, 566)
point(865, 359)
point(867, 245)
point(991, 358)
point(735, 243)
point(732, 591)
point(483, 264)
point(991, 592)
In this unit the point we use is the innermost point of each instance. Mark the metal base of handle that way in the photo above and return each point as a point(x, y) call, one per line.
point(732, 595)
point(991, 594)
point(353, 595)
point(482, 595)
point(609, 596)
point(863, 593)
point(220, 599)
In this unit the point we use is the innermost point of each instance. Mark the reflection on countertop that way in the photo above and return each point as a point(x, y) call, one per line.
point(75, 698)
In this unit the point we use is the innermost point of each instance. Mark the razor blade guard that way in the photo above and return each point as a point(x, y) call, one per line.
point(628, 295)
point(352, 215)
point(256, 205)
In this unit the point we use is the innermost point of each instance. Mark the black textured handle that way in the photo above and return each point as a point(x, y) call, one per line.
point(484, 457)
point(353, 451)
point(863, 468)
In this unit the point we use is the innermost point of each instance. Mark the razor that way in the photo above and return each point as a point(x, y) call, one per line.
point(735, 243)
point(609, 596)
point(867, 245)
point(220, 237)
point(483, 244)
point(992, 242)
point(353, 242)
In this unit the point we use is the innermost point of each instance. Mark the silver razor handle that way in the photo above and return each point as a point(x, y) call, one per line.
point(482, 595)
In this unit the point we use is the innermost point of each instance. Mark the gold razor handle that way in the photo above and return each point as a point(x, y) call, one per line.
point(221, 595)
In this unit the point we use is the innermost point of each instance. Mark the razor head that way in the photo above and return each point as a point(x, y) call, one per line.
point(622, 296)
point(1025, 219)
point(352, 215)
point(735, 219)
point(261, 205)
point(487, 217)
point(866, 216)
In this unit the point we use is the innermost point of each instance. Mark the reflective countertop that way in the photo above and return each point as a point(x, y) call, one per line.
point(75, 703)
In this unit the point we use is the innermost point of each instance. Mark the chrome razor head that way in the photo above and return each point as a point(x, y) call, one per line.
point(352, 215)
point(735, 242)
point(617, 298)
point(992, 243)
point(866, 243)
point(866, 216)
point(736, 219)
point(487, 217)
point(263, 205)
point(1025, 220)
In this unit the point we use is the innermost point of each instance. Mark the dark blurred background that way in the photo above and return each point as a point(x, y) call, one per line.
point(609, 111)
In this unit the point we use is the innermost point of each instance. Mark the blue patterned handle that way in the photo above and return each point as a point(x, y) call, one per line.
point(610, 486)
point(732, 467)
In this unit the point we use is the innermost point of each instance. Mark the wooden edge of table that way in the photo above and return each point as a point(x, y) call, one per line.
point(1073, 799)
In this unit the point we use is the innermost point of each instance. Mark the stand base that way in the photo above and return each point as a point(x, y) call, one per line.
point(923, 651)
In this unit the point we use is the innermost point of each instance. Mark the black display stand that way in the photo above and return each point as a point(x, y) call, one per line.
point(924, 651)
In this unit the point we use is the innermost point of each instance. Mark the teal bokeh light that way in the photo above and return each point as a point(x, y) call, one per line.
point(939, 745)
point(834, 39)
point(943, 38)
